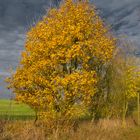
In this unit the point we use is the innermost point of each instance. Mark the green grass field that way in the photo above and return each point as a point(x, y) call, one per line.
point(12, 110)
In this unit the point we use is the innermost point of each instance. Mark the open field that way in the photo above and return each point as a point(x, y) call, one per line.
point(17, 129)
point(12, 110)
point(103, 130)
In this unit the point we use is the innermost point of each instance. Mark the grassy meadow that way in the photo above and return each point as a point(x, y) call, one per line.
point(86, 130)
point(17, 123)
point(12, 110)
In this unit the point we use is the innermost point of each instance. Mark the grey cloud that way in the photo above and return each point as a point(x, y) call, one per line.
point(4, 93)
point(123, 16)
point(22, 12)
point(4, 74)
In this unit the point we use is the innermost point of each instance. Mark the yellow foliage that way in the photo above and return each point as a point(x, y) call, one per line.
point(56, 69)
point(131, 80)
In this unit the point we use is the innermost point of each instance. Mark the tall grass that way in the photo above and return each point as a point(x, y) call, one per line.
point(86, 130)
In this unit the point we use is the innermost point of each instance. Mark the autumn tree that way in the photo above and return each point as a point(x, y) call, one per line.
point(126, 79)
point(59, 65)
point(120, 84)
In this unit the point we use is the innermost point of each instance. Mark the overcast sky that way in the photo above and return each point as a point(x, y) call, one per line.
point(16, 17)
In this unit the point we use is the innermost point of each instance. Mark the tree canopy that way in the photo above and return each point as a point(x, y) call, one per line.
point(58, 66)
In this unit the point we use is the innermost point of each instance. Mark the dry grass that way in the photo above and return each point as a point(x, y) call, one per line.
point(103, 130)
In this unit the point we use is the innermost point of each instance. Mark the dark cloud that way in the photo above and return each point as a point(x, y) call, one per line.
point(22, 12)
point(16, 16)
